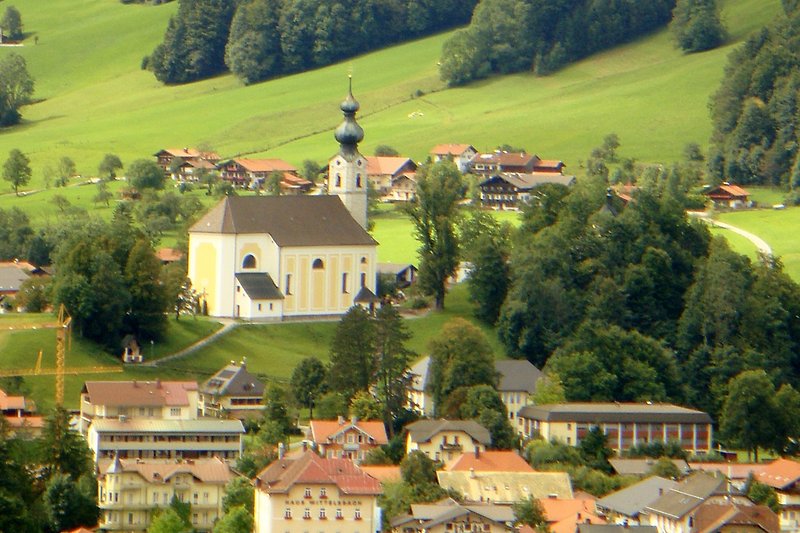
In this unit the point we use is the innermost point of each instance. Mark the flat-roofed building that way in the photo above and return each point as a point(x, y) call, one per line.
point(137, 400)
point(131, 491)
point(165, 439)
point(310, 493)
point(625, 424)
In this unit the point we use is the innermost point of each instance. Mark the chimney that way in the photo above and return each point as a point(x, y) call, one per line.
point(472, 473)
point(354, 420)
point(340, 419)
point(281, 450)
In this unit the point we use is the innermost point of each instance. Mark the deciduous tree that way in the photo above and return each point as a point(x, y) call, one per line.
point(696, 25)
point(145, 174)
point(11, 24)
point(168, 521)
point(238, 492)
point(529, 512)
point(460, 357)
point(17, 168)
point(308, 383)
point(16, 88)
point(749, 412)
point(253, 52)
point(149, 301)
point(434, 214)
point(109, 166)
point(236, 520)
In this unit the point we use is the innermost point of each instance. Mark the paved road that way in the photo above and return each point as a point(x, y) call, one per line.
point(759, 243)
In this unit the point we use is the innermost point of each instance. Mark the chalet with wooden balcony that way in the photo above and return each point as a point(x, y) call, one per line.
point(347, 439)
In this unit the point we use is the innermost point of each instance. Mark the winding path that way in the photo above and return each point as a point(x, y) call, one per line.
point(759, 243)
point(228, 325)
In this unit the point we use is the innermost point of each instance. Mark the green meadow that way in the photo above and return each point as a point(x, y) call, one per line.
point(774, 226)
point(93, 98)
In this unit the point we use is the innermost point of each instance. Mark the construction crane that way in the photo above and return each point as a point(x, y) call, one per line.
point(63, 344)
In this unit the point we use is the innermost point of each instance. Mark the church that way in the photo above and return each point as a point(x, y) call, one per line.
point(275, 257)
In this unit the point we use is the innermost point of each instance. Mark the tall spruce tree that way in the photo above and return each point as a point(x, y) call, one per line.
point(352, 353)
point(393, 357)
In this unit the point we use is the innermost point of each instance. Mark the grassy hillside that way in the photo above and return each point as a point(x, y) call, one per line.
point(96, 100)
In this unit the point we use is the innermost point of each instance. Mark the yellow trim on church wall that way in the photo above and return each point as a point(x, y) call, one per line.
point(205, 277)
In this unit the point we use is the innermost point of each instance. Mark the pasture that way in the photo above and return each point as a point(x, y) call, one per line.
point(93, 98)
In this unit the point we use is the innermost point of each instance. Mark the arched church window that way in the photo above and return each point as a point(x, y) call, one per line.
point(317, 264)
point(358, 180)
point(249, 261)
point(363, 260)
point(338, 180)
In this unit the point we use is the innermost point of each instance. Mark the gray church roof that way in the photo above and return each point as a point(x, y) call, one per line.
point(290, 220)
point(259, 286)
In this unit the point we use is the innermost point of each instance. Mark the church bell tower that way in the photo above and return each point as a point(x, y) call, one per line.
point(347, 171)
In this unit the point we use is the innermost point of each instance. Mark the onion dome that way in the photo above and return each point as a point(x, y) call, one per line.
point(349, 133)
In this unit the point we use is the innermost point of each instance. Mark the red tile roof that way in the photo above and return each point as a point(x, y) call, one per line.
point(135, 393)
point(711, 517)
point(727, 191)
point(385, 165)
point(189, 153)
point(31, 422)
point(450, 149)
point(507, 158)
point(383, 473)
point(731, 470)
point(778, 474)
point(212, 470)
point(563, 515)
point(550, 163)
point(310, 468)
point(266, 165)
point(168, 255)
point(322, 430)
point(491, 461)
point(11, 402)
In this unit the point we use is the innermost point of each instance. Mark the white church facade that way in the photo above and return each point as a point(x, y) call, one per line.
point(274, 257)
